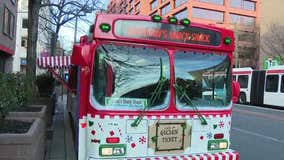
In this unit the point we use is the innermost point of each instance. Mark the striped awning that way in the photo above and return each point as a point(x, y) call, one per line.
point(55, 62)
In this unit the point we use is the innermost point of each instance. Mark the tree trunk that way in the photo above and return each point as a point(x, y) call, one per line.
point(33, 16)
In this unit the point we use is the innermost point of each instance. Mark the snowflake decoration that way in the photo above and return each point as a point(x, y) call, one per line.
point(128, 139)
point(142, 140)
point(209, 135)
point(221, 124)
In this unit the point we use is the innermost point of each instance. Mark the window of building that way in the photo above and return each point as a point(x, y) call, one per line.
point(271, 83)
point(182, 14)
point(208, 14)
point(137, 7)
point(243, 4)
point(166, 9)
point(130, 3)
point(154, 13)
point(24, 42)
point(179, 2)
point(25, 23)
point(154, 4)
point(249, 5)
point(243, 81)
point(282, 84)
point(6, 28)
point(217, 2)
point(131, 11)
point(9, 23)
point(242, 20)
point(12, 25)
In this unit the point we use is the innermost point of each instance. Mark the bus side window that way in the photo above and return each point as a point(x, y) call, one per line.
point(234, 78)
point(282, 84)
point(272, 83)
point(243, 81)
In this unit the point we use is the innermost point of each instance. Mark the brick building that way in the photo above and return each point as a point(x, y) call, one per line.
point(8, 16)
point(242, 16)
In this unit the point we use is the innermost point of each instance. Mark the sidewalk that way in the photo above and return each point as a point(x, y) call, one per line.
point(60, 144)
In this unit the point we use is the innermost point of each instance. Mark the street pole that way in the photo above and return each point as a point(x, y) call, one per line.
point(75, 31)
point(236, 53)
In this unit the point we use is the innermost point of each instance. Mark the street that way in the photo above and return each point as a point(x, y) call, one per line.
point(257, 133)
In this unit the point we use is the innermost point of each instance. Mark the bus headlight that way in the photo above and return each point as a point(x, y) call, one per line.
point(217, 144)
point(223, 145)
point(112, 150)
point(107, 151)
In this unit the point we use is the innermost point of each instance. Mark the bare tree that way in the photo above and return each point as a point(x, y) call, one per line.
point(33, 15)
point(272, 42)
point(64, 11)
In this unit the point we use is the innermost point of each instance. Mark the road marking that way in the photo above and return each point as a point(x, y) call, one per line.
point(258, 135)
point(264, 115)
point(260, 108)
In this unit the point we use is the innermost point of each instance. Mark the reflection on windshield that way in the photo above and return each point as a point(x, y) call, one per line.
point(130, 78)
point(205, 79)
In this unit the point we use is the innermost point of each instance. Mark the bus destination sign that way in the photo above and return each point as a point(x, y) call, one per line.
point(166, 32)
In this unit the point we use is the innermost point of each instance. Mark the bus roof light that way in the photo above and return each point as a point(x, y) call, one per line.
point(172, 20)
point(156, 18)
point(185, 22)
point(105, 27)
point(227, 41)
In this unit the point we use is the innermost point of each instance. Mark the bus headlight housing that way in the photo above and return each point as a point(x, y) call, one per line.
point(217, 144)
point(112, 150)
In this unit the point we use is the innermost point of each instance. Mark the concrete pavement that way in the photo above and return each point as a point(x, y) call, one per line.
point(60, 145)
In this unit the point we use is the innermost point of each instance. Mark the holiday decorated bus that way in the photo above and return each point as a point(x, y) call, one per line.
point(152, 88)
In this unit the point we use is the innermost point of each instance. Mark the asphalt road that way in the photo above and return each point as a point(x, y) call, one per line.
point(257, 133)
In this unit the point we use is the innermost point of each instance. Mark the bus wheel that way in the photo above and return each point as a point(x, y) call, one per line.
point(242, 98)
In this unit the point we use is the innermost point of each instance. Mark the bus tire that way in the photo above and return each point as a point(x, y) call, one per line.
point(242, 98)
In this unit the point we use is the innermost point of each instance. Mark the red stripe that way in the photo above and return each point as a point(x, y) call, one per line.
point(191, 157)
point(276, 71)
point(215, 156)
point(131, 116)
point(200, 157)
point(7, 50)
point(223, 156)
point(242, 72)
point(237, 155)
point(230, 155)
point(207, 156)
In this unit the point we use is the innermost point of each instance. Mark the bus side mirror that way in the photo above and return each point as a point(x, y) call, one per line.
point(81, 55)
point(235, 91)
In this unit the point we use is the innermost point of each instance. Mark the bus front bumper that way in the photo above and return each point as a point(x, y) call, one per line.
point(227, 155)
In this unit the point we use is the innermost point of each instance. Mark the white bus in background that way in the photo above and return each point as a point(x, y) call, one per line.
point(243, 76)
point(261, 87)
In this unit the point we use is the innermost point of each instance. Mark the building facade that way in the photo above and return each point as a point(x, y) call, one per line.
point(268, 18)
point(8, 17)
point(19, 60)
point(242, 16)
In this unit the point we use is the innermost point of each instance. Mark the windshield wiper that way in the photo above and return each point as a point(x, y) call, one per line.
point(156, 94)
point(183, 94)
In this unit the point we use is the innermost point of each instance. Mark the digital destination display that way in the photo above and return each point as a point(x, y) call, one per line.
point(166, 32)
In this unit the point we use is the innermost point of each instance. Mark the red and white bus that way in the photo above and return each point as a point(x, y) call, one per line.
point(261, 87)
point(153, 88)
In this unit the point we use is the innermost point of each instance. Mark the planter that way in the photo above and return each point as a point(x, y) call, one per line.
point(24, 146)
point(31, 111)
point(50, 107)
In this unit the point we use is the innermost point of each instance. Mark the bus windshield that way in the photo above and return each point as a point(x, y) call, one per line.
point(205, 79)
point(128, 77)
